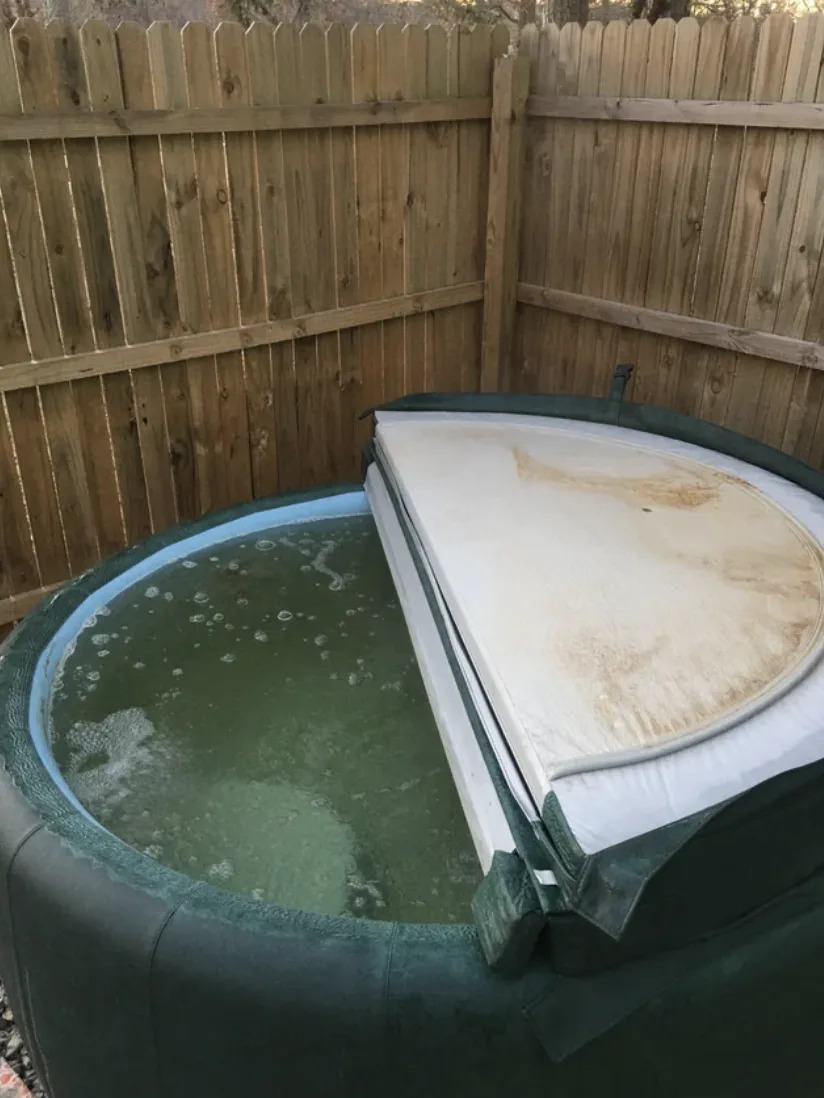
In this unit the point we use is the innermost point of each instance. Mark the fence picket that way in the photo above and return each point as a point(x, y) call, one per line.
point(591, 377)
point(692, 196)
point(416, 212)
point(212, 449)
point(394, 186)
point(576, 372)
point(344, 199)
point(367, 184)
point(632, 348)
point(184, 220)
point(439, 203)
point(119, 74)
point(533, 326)
point(273, 411)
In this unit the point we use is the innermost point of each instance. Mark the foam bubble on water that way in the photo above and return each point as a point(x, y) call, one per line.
point(353, 679)
point(189, 563)
point(261, 636)
point(152, 592)
point(321, 639)
point(168, 596)
point(200, 597)
point(264, 545)
point(93, 676)
point(325, 654)
point(242, 601)
point(233, 566)
point(363, 893)
point(221, 871)
point(100, 639)
point(217, 617)
point(214, 560)
point(336, 581)
point(138, 665)
point(229, 626)
point(258, 894)
point(107, 756)
point(103, 611)
point(196, 619)
point(228, 657)
point(154, 851)
point(284, 615)
point(178, 671)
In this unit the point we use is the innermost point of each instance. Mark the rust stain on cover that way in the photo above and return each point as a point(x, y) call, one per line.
point(617, 596)
point(676, 489)
point(783, 624)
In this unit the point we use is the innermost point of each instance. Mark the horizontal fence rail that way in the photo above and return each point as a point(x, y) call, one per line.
point(710, 333)
point(52, 371)
point(692, 112)
point(16, 607)
point(147, 123)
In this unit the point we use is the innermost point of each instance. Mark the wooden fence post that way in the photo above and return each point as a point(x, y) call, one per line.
point(509, 92)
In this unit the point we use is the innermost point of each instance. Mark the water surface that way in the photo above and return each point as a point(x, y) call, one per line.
point(254, 716)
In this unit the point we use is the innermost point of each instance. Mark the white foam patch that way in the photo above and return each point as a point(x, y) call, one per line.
point(108, 757)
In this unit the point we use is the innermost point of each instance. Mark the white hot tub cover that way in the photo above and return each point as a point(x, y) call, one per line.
point(644, 615)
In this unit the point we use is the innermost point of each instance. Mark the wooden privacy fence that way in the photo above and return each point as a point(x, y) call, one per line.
point(218, 248)
point(673, 217)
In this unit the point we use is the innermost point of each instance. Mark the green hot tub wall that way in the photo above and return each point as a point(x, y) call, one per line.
point(132, 980)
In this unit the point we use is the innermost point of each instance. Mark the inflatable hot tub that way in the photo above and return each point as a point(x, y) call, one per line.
point(664, 943)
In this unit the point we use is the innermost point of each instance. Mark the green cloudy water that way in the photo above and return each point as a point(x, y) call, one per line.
point(254, 716)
